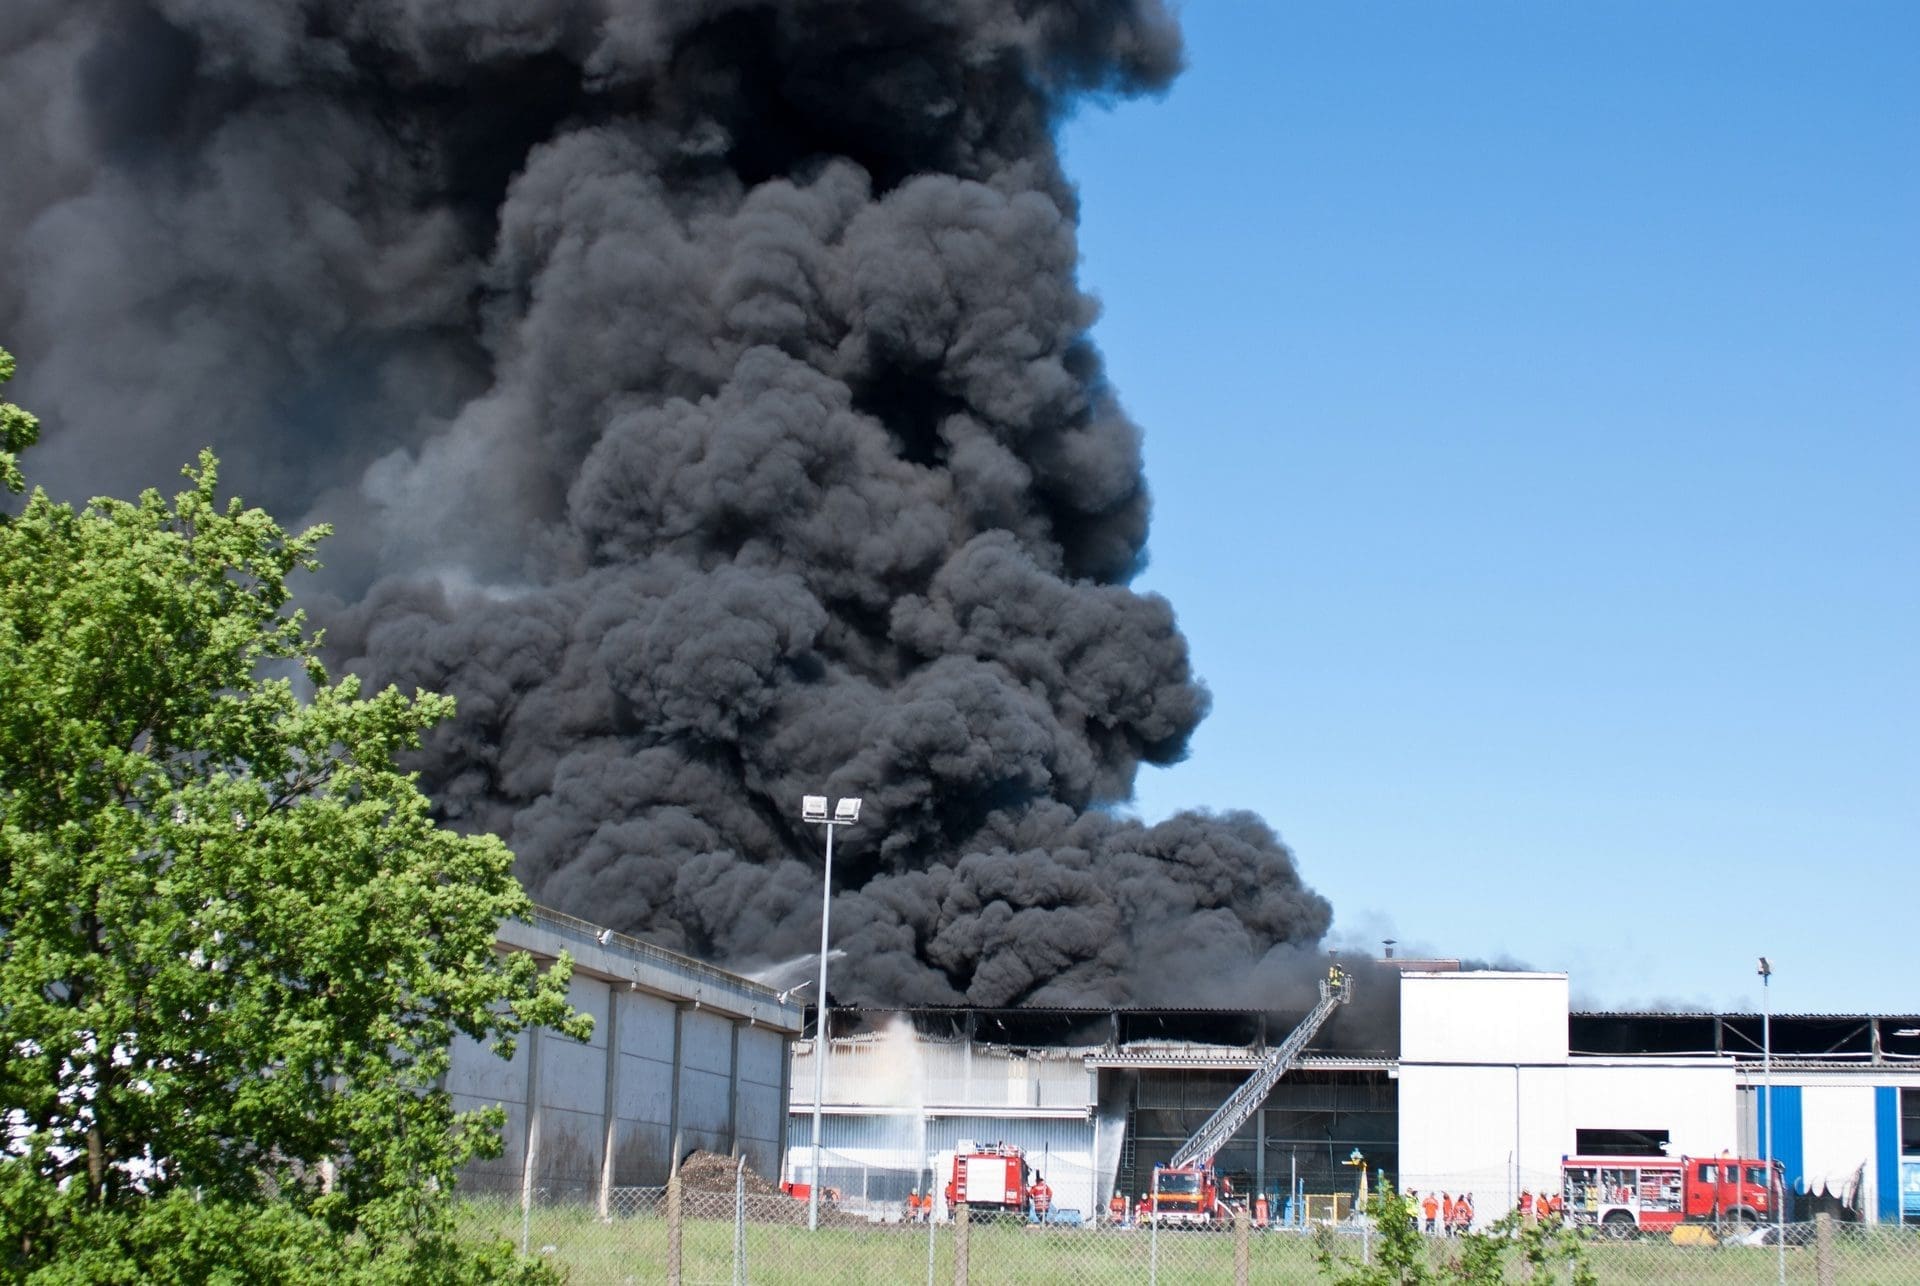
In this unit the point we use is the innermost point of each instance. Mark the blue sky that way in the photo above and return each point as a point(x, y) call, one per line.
point(1530, 395)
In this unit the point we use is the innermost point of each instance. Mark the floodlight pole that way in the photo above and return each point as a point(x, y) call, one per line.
point(1766, 1081)
point(843, 815)
point(820, 1035)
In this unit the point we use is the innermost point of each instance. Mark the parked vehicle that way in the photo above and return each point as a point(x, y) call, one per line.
point(1625, 1195)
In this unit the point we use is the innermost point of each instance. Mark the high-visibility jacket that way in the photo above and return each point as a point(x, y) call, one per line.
point(1446, 1208)
point(1042, 1196)
point(1430, 1207)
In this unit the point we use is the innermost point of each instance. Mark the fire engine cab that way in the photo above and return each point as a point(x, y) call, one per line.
point(1191, 1195)
point(989, 1177)
point(1625, 1195)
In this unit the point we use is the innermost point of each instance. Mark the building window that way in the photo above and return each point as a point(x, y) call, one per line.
point(1620, 1143)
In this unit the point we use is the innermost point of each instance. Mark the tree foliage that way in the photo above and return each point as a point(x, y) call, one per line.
point(18, 431)
point(235, 948)
point(1400, 1256)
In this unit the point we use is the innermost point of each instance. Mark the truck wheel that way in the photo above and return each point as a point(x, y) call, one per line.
point(1618, 1225)
point(1746, 1214)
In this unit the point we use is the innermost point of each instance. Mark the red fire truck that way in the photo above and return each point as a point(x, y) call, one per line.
point(989, 1177)
point(1193, 1195)
point(1625, 1195)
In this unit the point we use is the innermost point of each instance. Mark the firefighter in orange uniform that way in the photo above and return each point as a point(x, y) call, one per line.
point(1261, 1210)
point(1042, 1198)
point(1117, 1208)
point(1431, 1209)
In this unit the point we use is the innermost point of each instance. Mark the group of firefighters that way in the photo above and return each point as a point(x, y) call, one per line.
point(1448, 1215)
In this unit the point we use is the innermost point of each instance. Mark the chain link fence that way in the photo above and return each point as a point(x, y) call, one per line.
point(704, 1235)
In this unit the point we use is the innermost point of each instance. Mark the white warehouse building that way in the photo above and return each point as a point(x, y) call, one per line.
point(1484, 1085)
point(1492, 1098)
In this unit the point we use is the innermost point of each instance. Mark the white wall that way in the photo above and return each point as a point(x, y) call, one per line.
point(1837, 1140)
point(1692, 1099)
point(1483, 1017)
point(1490, 1099)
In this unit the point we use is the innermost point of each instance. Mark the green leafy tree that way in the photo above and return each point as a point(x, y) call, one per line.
point(18, 431)
point(1400, 1256)
point(235, 948)
point(1397, 1256)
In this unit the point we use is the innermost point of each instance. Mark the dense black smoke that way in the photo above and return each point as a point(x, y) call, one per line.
point(703, 394)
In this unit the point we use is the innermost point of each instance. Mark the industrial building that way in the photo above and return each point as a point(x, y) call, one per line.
point(1482, 1084)
point(680, 1050)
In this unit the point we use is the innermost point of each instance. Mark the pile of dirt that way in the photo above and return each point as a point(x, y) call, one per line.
point(705, 1171)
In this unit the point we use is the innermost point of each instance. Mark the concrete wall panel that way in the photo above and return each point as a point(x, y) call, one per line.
point(591, 996)
point(646, 1026)
point(761, 1053)
point(478, 1071)
point(761, 1116)
point(572, 1076)
point(705, 1103)
point(569, 1155)
point(640, 1154)
point(706, 1041)
point(638, 996)
point(646, 1090)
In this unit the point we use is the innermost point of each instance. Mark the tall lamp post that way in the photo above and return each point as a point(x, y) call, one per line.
point(813, 808)
point(1779, 1198)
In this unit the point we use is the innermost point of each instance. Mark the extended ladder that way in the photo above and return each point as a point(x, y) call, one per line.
point(1335, 989)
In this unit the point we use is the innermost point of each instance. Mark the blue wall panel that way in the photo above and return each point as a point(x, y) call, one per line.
point(1784, 1130)
point(1886, 1132)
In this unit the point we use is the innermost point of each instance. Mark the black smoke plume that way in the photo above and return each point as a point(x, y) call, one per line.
point(703, 394)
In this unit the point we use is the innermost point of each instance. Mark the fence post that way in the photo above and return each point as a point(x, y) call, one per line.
point(1242, 1249)
point(1823, 1272)
point(673, 1227)
point(740, 1223)
point(933, 1228)
point(960, 1244)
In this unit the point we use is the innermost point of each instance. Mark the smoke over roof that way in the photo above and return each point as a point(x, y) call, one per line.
point(703, 394)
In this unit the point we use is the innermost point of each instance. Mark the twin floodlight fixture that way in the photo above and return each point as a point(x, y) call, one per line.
point(813, 808)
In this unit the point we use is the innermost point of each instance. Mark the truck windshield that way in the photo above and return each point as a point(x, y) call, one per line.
point(1179, 1184)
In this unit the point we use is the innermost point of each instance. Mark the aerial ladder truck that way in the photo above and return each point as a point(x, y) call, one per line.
point(1187, 1190)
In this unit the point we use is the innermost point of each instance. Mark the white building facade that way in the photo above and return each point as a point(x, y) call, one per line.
point(1491, 1099)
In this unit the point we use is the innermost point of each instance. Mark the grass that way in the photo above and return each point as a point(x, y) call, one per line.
point(634, 1250)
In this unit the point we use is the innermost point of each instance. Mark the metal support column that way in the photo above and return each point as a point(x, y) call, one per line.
point(733, 1094)
point(610, 1134)
point(1260, 1149)
point(673, 1109)
point(530, 1151)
